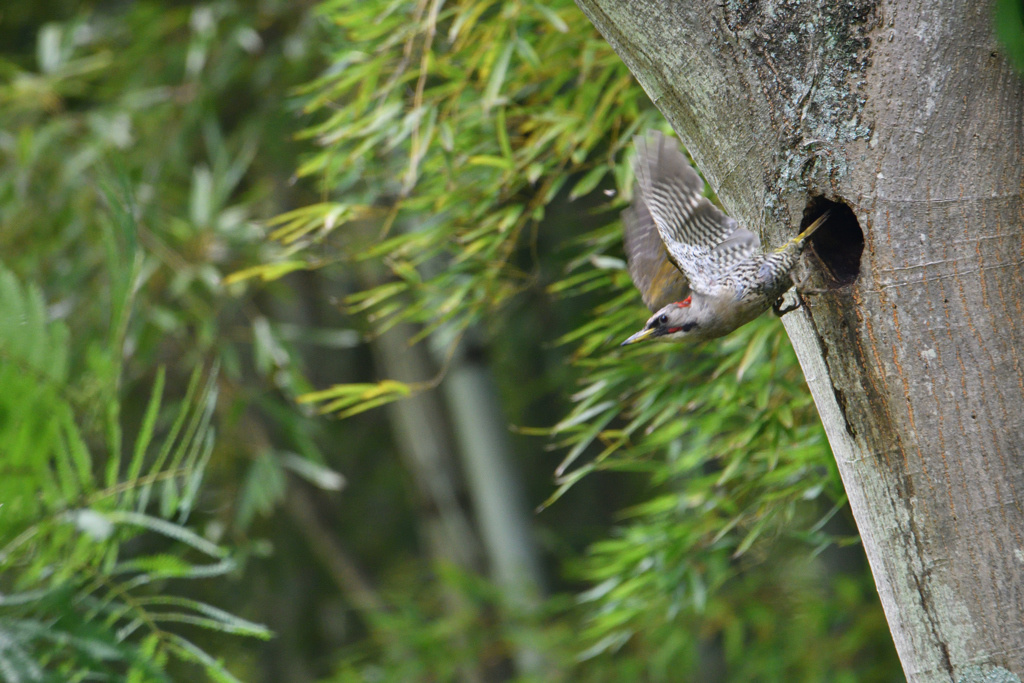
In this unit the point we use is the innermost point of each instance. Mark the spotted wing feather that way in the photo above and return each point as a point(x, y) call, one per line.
point(659, 281)
point(702, 241)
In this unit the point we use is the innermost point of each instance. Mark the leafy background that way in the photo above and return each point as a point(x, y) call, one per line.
point(308, 368)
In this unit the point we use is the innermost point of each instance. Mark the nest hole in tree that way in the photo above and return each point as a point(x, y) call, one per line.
point(838, 243)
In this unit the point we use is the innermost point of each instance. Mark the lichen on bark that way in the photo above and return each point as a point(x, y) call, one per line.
point(811, 64)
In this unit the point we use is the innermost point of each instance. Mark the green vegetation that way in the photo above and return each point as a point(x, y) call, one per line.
point(1008, 19)
point(213, 218)
point(82, 597)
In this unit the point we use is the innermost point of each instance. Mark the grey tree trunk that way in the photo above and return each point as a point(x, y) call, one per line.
point(422, 429)
point(494, 485)
point(493, 480)
point(903, 116)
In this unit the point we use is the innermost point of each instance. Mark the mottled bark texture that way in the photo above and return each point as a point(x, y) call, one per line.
point(905, 113)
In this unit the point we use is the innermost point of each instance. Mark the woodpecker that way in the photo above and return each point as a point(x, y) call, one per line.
point(701, 274)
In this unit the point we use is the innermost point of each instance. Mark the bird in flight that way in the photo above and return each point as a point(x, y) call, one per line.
point(701, 274)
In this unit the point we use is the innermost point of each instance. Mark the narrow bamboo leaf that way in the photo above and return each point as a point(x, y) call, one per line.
point(753, 353)
point(361, 391)
point(195, 478)
point(489, 160)
point(566, 483)
point(592, 389)
point(578, 418)
point(266, 272)
point(168, 529)
point(317, 474)
point(184, 456)
point(171, 438)
point(585, 440)
point(363, 407)
point(193, 653)
point(588, 182)
point(243, 629)
point(500, 127)
point(552, 17)
point(145, 436)
point(159, 565)
point(78, 450)
point(263, 489)
point(749, 539)
point(497, 78)
point(252, 628)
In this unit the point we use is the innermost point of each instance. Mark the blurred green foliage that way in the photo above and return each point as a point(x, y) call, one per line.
point(81, 599)
point(128, 175)
point(1008, 19)
point(460, 166)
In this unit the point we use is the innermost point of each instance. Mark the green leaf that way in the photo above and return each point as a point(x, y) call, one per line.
point(497, 77)
point(193, 653)
point(264, 487)
point(217, 619)
point(266, 272)
point(315, 473)
point(588, 182)
point(171, 439)
point(351, 399)
point(552, 17)
point(1008, 17)
point(488, 160)
point(168, 529)
point(145, 436)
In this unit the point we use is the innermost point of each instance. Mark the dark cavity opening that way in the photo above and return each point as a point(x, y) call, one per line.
point(838, 243)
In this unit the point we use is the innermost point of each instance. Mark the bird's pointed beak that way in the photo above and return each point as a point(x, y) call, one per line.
point(639, 336)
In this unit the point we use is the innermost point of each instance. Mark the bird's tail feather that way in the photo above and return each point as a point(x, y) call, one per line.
point(809, 231)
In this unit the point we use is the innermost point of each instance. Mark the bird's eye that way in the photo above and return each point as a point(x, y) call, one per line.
point(662, 320)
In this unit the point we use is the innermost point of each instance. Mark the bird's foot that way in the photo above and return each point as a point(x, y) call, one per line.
point(801, 288)
point(780, 310)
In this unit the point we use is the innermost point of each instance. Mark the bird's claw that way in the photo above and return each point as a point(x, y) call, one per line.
point(780, 310)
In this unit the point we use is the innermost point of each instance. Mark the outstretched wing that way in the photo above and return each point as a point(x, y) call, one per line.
point(659, 281)
point(702, 241)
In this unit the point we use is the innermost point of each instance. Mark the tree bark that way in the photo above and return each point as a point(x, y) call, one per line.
point(905, 112)
point(493, 480)
point(421, 430)
point(495, 488)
